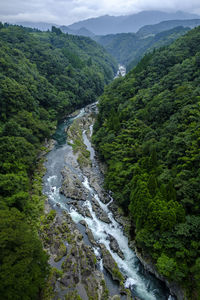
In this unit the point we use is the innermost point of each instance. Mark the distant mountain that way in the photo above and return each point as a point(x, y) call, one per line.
point(82, 31)
point(100, 26)
point(65, 29)
point(129, 48)
point(166, 25)
point(131, 23)
point(37, 25)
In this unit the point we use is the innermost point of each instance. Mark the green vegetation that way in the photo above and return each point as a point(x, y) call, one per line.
point(105, 290)
point(73, 296)
point(129, 48)
point(167, 25)
point(43, 77)
point(117, 274)
point(148, 132)
point(77, 143)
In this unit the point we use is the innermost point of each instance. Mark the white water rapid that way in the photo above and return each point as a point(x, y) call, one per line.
point(143, 285)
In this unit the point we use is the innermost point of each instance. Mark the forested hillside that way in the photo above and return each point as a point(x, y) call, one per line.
point(148, 133)
point(43, 77)
point(129, 48)
point(167, 25)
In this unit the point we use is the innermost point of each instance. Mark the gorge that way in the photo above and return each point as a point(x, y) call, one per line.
point(91, 208)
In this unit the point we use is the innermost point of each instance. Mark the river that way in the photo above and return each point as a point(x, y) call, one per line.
point(142, 284)
point(121, 71)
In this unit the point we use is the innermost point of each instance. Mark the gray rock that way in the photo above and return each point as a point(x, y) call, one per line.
point(89, 233)
point(115, 247)
point(174, 288)
point(87, 213)
point(72, 186)
point(91, 237)
point(110, 265)
point(104, 218)
point(82, 222)
point(102, 215)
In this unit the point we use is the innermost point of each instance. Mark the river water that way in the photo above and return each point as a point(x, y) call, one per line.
point(121, 71)
point(142, 284)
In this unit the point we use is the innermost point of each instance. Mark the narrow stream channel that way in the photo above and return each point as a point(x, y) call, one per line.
point(142, 284)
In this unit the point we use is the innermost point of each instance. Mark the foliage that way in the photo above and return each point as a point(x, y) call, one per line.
point(129, 48)
point(22, 259)
point(44, 76)
point(148, 132)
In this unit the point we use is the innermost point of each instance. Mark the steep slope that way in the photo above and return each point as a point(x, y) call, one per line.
point(148, 132)
point(131, 23)
point(43, 77)
point(128, 48)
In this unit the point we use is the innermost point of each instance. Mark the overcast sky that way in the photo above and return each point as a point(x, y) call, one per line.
point(65, 12)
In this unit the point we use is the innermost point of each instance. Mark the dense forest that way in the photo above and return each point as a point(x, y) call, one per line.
point(129, 48)
point(148, 133)
point(43, 77)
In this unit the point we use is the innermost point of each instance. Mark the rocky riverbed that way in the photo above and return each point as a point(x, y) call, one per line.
point(86, 234)
point(75, 261)
point(96, 181)
point(73, 188)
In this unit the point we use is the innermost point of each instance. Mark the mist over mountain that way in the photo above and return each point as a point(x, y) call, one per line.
point(129, 48)
point(81, 31)
point(131, 23)
point(167, 25)
point(65, 29)
point(37, 25)
point(123, 24)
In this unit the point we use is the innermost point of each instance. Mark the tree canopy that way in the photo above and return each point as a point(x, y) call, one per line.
point(148, 132)
point(44, 76)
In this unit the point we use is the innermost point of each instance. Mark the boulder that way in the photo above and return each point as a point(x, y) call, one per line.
point(110, 265)
point(100, 213)
point(91, 237)
point(72, 186)
point(115, 247)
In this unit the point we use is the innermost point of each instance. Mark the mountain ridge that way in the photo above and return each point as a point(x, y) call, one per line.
point(167, 25)
point(128, 48)
point(130, 23)
point(107, 24)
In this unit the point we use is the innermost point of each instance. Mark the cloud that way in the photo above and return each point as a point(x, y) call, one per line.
point(169, 5)
point(69, 11)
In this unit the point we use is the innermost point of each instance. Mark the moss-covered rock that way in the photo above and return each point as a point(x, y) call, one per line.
point(110, 264)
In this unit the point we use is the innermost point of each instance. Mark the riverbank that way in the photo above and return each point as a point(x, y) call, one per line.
point(74, 170)
point(75, 272)
point(85, 125)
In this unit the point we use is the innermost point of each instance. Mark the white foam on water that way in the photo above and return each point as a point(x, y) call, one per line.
point(91, 130)
point(171, 297)
point(96, 252)
point(81, 113)
point(76, 217)
point(101, 264)
point(129, 283)
point(101, 232)
point(111, 201)
point(94, 194)
point(51, 178)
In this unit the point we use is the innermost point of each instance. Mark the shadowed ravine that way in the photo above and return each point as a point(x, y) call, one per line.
point(142, 284)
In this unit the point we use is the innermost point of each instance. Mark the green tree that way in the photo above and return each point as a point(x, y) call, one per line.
point(23, 263)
